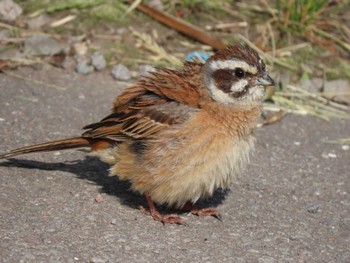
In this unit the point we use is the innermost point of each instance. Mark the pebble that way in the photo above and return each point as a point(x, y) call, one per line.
point(120, 72)
point(332, 155)
point(313, 209)
point(42, 45)
point(98, 260)
point(329, 155)
point(98, 61)
point(99, 198)
point(345, 147)
point(120, 31)
point(156, 4)
point(9, 10)
point(83, 68)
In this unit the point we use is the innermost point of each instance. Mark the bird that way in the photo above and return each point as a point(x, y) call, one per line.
point(178, 135)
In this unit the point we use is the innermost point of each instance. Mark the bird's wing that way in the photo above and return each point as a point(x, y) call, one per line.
point(142, 118)
point(164, 98)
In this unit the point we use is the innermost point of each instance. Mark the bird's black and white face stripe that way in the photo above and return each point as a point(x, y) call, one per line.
point(234, 81)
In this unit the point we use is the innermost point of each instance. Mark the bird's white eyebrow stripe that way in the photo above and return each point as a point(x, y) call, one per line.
point(232, 64)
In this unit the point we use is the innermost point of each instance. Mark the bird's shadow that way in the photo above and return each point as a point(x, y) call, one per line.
point(93, 170)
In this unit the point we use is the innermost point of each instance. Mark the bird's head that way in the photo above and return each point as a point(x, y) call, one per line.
point(237, 76)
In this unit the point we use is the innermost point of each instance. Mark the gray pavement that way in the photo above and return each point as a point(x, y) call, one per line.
point(291, 204)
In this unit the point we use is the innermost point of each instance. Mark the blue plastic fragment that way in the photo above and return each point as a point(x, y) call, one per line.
point(197, 54)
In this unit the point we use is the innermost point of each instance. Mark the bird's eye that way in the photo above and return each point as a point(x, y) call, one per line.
point(239, 73)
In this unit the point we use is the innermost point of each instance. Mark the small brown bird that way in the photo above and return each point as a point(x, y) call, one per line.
point(178, 135)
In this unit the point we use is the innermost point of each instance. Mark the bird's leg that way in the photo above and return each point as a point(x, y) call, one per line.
point(170, 218)
point(189, 207)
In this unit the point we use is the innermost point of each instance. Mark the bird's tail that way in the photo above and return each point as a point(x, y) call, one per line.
point(65, 144)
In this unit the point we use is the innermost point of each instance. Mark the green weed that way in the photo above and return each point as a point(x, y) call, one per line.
point(298, 15)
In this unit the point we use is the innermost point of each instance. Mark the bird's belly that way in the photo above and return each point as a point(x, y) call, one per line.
point(174, 171)
point(199, 171)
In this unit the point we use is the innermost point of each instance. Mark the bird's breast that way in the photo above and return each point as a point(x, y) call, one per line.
point(195, 161)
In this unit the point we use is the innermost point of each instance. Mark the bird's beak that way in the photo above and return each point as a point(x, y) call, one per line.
point(265, 80)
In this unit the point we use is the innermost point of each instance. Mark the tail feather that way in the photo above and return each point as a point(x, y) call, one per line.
point(65, 144)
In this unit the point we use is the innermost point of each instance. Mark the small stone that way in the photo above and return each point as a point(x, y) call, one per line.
point(313, 209)
point(114, 221)
point(120, 31)
point(120, 72)
point(329, 155)
point(332, 155)
point(83, 68)
point(97, 260)
point(345, 147)
point(99, 198)
point(98, 61)
point(82, 59)
point(9, 10)
point(156, 4)
point(42, 45)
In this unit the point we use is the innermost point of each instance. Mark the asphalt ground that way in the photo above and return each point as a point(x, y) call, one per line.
point(291, 204)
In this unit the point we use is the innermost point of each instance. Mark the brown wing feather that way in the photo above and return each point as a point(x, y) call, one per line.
point(165, 98)
point(143, 123)
point(185, 87)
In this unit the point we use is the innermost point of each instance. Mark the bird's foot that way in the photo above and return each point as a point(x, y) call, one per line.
point(165, 219)
point(206, 212)
point(202, 211)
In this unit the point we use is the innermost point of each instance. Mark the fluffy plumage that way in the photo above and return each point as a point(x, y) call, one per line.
point(178, 135)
